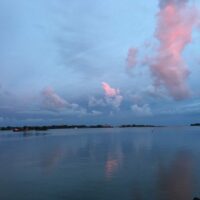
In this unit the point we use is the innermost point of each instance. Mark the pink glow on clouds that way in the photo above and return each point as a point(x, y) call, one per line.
point(174, 32)
point(52, 99)
point(132, 58)
point(112, 95)
point(109, 91)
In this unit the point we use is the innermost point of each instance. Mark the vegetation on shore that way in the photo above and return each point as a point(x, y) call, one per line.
point(196, 124)
point(48, 127)
point(44, 128)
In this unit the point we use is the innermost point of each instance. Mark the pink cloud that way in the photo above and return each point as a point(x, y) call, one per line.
point(112, 95)
point(109, 91)
point(52, 99)
point(175, 25)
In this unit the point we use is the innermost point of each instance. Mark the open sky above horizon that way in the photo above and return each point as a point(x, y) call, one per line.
point(97, 62)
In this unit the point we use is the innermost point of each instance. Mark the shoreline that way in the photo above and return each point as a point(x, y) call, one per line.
point(50, 127)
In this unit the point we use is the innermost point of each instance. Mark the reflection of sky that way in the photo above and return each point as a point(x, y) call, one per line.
point(73, 46)
point(92, 164)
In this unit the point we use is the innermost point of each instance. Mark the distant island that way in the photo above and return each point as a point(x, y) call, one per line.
point(45, 128)
point(196, 124)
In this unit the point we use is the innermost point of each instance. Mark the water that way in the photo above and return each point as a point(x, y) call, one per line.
point(101, 164)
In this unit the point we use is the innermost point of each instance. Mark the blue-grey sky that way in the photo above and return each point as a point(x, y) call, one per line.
point(94, 62)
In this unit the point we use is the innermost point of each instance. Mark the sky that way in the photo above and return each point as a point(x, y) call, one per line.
point(99, 62)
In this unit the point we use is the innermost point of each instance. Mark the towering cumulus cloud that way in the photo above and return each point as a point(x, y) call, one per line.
point(112, 95)
point(176, 20)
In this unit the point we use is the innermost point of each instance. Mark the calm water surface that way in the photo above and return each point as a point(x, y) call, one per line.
point(101, 164)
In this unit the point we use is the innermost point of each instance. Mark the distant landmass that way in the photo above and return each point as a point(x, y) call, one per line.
point(196, 124)
point(45, 128)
